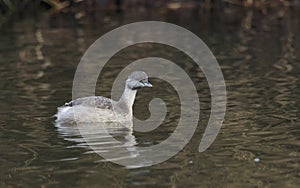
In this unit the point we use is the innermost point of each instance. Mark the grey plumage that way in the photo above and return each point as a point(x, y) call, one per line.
point(92, 101)
point(98, 108)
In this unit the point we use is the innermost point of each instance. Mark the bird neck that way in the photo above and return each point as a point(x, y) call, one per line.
point(127, 99)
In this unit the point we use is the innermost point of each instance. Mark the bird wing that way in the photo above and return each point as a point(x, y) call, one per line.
point(93, 101)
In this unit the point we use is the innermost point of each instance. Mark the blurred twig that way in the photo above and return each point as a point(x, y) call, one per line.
point(9, 5)
point(56, 4)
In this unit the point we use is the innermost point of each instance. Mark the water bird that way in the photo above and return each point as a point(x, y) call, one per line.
point(94, 109)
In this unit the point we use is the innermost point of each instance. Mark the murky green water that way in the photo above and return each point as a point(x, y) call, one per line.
point(259, 57)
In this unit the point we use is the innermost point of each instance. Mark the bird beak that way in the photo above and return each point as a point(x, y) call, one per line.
point(148, 84)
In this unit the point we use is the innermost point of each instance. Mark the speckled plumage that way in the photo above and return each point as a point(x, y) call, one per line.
point(101, 109)
point(92, 101)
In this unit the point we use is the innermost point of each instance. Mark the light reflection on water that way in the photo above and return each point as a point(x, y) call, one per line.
point(261, 69)
point(98, 136)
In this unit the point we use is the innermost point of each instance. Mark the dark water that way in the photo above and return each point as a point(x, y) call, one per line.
point(259, 56)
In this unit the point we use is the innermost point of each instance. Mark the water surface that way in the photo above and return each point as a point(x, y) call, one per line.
point(258, 145)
